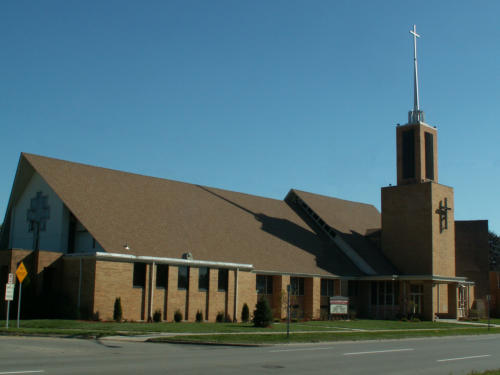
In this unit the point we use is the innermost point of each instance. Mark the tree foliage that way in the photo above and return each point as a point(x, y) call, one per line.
point(245, 313)
point(117, 310)
point(262, 315)
point(494, 241)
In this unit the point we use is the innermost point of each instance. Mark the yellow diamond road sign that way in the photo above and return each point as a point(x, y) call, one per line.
point(21, 272)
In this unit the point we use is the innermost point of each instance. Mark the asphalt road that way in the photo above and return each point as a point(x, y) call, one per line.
point(454, 355)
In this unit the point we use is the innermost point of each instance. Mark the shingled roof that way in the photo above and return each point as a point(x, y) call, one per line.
point(165, 218)
point(353, 221)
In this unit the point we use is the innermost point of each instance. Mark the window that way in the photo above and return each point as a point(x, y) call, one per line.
point(409, 153)
point(327, 287)
point(183, 278)
point(203, 278)
point(264, 284)
point(353, 288)
point(161, 276)
point(223, 277)
point(385, 293)
point(139, 275)
point(297, 285)
point(429, 156)
point(416, 293)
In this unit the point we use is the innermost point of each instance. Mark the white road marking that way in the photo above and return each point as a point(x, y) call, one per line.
point(21, 372)
point(297, 350)
point(461, 358)
point(381, 351)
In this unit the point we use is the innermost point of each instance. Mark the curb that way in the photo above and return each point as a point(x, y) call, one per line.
point(211, 343)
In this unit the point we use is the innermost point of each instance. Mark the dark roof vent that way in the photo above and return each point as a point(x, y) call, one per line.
point(187, 256)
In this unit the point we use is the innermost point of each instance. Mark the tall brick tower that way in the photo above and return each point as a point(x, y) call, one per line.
point(418, 231)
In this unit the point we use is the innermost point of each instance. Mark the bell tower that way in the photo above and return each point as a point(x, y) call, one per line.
point(418, 231)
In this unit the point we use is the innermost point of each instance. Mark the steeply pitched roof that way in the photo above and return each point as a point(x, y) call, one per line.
point(164, 218)
point(353, 221)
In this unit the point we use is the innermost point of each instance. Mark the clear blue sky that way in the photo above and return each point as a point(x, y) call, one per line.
point(254, 96)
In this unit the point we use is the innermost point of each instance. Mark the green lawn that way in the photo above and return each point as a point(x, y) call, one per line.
point(321, 336)
point(226, 327)
point(246, 333)
point(492, 321)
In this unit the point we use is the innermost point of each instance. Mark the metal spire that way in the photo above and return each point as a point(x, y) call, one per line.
point(416, 115)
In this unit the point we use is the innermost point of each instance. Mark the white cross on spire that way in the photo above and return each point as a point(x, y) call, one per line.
point(416, 115)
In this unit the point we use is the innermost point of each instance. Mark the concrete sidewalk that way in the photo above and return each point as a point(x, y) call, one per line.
point(146, 337)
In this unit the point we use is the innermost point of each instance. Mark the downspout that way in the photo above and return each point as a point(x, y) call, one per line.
point(235, 313)
point(78, 304)
point(151, 290)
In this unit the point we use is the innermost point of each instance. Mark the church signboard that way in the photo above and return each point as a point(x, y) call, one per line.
point(339, 305)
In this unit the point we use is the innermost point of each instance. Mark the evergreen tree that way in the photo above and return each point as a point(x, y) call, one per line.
point(245, 313)
point(262, 316)
point(117, 311)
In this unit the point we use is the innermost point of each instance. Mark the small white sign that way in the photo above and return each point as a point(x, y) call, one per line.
point(9, 292)
point(339, 305)
point(11, 278)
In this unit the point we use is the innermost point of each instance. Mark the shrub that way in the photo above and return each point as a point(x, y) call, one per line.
point(262, 316)
point(352, 314)
point(227, 319)
point(220, 317)
point(199, 316)
point(117, 310)
point(177, 316)
point(157, 316)
point(245, 313)
point(95, 316)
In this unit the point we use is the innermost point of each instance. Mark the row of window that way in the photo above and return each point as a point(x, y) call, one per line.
point(264, 283)
point(139, 278)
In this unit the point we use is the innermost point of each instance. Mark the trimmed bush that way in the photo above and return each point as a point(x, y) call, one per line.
point(199, 316)
point(177, 316)
point(262, 316)
point(220, 317)
point(157, 316)
point(245, 313)
point(117, 310)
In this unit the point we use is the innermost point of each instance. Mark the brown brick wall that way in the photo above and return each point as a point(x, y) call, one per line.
point(407, 227)
point(312, 297)
point(279, 295)
point(114, 279)
point(71, 276)
point(411, 235)
point(246, 292)
point(420, 131)
point(472, 253)
point(443, 242)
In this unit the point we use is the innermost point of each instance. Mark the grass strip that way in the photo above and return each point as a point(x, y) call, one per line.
point(321, 336)
point(76, 333)
point(185, 327)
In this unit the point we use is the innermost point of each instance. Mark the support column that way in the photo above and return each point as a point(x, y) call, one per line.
point(312, 297)
point(452, 301)
point(279, 295)
point(213, 274)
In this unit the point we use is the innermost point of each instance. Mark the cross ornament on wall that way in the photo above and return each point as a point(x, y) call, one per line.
point(38, 214)
point(442, 211)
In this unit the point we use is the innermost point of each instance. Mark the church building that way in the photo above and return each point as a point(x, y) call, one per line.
point(92, 235)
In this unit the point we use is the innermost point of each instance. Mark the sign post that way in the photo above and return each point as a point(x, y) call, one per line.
point(9, 296)
point(21, 274)
point(488, 299)
point(288, 287)
point(339, 305)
